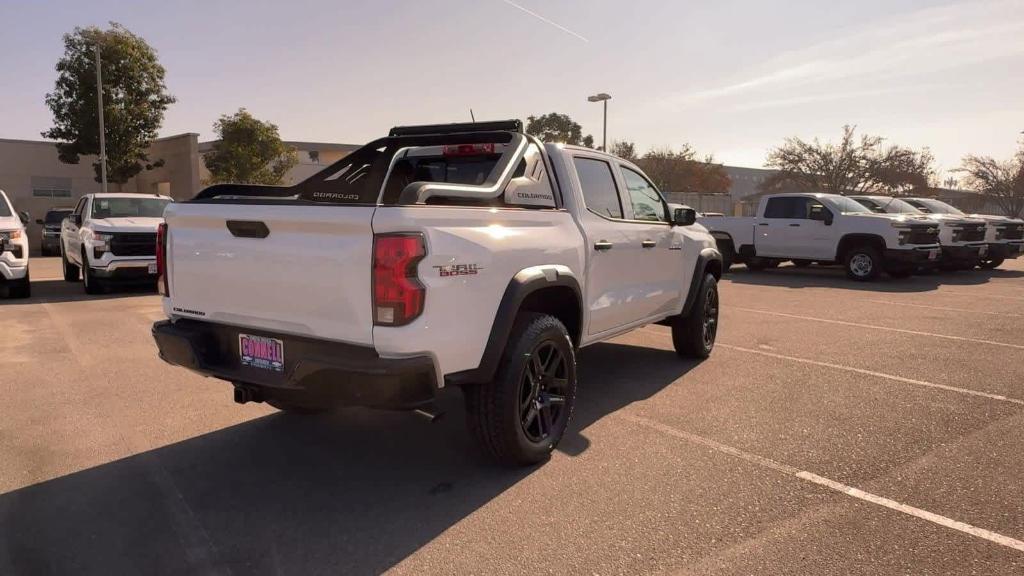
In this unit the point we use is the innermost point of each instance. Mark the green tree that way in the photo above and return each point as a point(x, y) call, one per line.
point(555, 127)
point(854, 166)
point(1000, 181)
point(681, 171)
point(248, 151)
point(134, 100)
point(624, 149)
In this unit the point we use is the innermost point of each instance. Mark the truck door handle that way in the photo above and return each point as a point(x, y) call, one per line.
point(603, 245)
point(794, 224)
point(648, 243)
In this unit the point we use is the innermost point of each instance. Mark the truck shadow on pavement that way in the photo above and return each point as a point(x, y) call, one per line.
point(834, 277)
point(45, 291)
point(354, 492)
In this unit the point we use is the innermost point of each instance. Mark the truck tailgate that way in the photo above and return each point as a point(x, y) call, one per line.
point(310, 275)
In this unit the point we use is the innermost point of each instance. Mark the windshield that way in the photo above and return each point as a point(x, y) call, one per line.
point(871, 205)
point(848, 205)
point(57, 216)
point(5, 207)
point(128, 208)
point(931, 206)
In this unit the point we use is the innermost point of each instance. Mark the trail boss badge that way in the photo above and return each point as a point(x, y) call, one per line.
point(457, 270)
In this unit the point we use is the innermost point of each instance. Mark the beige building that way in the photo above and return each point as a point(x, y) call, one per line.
point(36, 180)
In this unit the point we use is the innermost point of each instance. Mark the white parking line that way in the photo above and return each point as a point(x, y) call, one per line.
point(831, 484)
point(876, 374)
point(986, 295)
point(947, 308)
point(875, 327)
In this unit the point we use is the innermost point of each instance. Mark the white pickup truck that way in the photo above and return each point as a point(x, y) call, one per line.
point(962, 237)
point(826, 228)
point(111, 238)
point(462, 254)
point(13, 250)
point(1004, 237)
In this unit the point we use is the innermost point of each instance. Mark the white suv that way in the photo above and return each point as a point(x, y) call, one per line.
point(112, 238)
point(13, 250)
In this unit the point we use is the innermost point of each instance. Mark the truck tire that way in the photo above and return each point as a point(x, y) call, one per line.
point(89, 281)
point(728, 251)
point(693, 336)
point(70, 270)
point(758, 263)
point(20, 288)
point(519, 417)
point(991, 263)
point(862, 263)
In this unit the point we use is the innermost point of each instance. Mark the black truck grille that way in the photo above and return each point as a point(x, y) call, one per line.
point(971, 233)
point(134, 244)
point(1012, 232)
point(923, 235)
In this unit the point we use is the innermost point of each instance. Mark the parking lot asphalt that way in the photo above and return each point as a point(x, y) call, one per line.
point(838, 428)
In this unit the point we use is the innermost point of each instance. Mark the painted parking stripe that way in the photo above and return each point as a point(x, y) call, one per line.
point(883, 375)
point(958, 293)
point(946, 308)
point(829, 483)
point(875, 327)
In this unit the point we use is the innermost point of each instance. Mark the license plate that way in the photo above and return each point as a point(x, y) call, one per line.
point(933, 254)
point(261, 352)
point(152, 267)
point(983, 250)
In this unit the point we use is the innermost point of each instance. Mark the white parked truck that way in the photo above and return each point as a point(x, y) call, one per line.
point(111, 238)
point(14, 274)
point(1004, 237)
point(826, 228)
point(962, 238)
point(463, 254)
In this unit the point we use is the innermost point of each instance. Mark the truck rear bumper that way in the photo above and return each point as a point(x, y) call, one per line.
point(314, 372)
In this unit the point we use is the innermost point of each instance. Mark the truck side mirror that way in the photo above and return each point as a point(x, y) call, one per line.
point(684, 216)
point(828, 217)
point(25, 218)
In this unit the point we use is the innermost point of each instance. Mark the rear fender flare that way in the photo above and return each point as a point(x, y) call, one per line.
point(525, 282)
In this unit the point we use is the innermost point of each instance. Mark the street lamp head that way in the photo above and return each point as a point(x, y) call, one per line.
point(598, 97)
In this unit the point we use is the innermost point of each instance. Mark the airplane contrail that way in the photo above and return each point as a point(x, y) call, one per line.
point(543, 19)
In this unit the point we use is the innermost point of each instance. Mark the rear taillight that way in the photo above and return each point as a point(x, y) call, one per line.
point(161, 260)
point(398, 294)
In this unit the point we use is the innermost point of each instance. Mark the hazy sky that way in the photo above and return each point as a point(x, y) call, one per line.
point(731, 78)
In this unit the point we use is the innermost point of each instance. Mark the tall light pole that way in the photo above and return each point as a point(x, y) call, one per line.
point(99, 106)
point(602, 97)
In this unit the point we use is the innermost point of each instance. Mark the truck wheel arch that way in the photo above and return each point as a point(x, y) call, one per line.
point(551, 289)
point(851, 240)
point(709, 261)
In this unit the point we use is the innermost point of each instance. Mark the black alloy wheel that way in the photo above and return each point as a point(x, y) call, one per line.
point(542, 392)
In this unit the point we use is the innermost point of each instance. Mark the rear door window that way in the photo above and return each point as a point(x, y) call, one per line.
point(784, 207)
point(598, 183)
